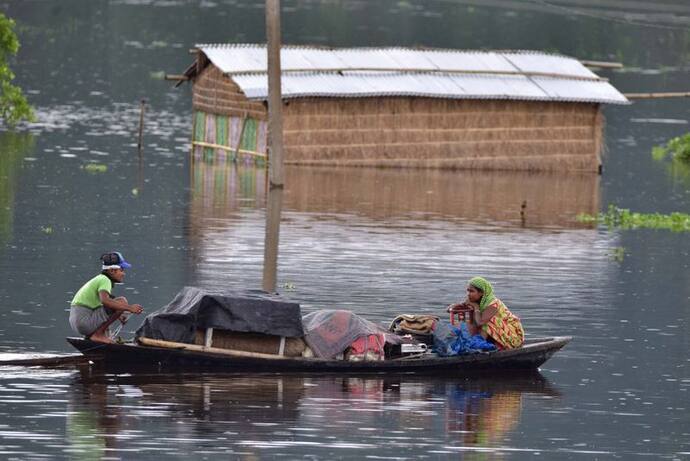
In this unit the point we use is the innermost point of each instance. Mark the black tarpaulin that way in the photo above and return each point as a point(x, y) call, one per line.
point(248, 311)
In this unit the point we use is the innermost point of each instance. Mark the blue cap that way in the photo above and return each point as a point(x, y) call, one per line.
point(114, 260)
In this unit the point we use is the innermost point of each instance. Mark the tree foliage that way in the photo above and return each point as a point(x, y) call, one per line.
point(13, 105)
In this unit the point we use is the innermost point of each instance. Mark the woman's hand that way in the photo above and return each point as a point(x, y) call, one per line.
point(459, 307)
point(454, 307)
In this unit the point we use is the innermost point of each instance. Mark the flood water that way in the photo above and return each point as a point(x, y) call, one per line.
point(378, 242)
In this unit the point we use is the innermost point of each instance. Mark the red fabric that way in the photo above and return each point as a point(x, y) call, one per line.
point(371, 343)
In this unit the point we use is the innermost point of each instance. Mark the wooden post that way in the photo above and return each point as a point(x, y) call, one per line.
point(272, 238)
point(239, 140)
point(275, 98)
point(208, 338)
point(598, 139)
point(140, 144)
point(275, 143)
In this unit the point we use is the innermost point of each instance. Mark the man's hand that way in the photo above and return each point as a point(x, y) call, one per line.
point(136, 309)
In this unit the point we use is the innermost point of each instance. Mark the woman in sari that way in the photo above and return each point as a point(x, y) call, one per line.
point(491, 318)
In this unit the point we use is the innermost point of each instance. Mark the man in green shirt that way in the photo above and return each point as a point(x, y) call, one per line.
point(93, 308)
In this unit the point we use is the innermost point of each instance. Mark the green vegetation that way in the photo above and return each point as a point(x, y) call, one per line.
point(288, 286)
point(617, 254)
point(95, 168)
point(621, 218)
point(678, 149)
point(13, 105)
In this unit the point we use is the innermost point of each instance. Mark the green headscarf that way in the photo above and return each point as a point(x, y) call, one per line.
point(488, 291)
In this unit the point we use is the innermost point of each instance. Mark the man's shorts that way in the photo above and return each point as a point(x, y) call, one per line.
point(85, 321)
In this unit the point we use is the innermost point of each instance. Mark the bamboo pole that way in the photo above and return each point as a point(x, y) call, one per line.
point(602, 64)
point(213, 350)
point(140, 144)
point(275, 158)
point(683, 94)
point(175, 77)
point(227, 148)
point(272, 238)
point(275, 99)
point(422, 71)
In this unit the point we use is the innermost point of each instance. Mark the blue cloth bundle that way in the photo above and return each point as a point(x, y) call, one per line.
point(450, 340)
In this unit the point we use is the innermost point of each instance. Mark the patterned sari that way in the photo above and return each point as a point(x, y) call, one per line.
point(504, 328)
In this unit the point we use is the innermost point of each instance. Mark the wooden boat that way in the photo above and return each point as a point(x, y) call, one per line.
point(149, 354)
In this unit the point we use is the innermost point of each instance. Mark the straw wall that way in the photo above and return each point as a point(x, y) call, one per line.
point(214, 93)
point(439, 133)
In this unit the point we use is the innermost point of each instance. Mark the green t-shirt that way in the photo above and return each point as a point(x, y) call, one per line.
point(87, 295)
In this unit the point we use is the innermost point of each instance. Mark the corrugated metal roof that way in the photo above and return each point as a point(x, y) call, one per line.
point(368, 72)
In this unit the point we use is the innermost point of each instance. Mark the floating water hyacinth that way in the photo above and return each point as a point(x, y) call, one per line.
point(289, 286)
point(95, 168)
point(676, 156)
point(622, 218)
point(617, 254)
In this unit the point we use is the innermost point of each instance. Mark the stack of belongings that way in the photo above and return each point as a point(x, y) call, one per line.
point(343, 335)
point(415, 332)
point(252, 321)
point(419, 327)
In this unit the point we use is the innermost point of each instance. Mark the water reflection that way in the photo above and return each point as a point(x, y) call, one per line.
point(335, 415)
point(13, 149)
point(544, 200)
point(94, 420)
point(340, 223)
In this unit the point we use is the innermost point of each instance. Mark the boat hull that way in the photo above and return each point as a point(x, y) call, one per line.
point(132, 357)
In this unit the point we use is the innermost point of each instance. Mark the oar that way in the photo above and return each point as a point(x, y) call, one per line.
point(44, 360)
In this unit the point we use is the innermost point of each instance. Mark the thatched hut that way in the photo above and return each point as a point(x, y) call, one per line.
point(398, 107)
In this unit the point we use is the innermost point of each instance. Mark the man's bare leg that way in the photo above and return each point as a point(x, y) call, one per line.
point(99, 335)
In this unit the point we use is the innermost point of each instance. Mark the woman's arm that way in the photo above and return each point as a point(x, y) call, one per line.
point(482, 318)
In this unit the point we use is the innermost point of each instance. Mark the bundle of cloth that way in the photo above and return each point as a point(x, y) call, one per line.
point(450, 340)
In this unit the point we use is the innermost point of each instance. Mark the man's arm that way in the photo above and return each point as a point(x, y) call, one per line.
point(117, 304)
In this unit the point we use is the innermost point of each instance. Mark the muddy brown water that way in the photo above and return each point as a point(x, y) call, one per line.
point(379, 242)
